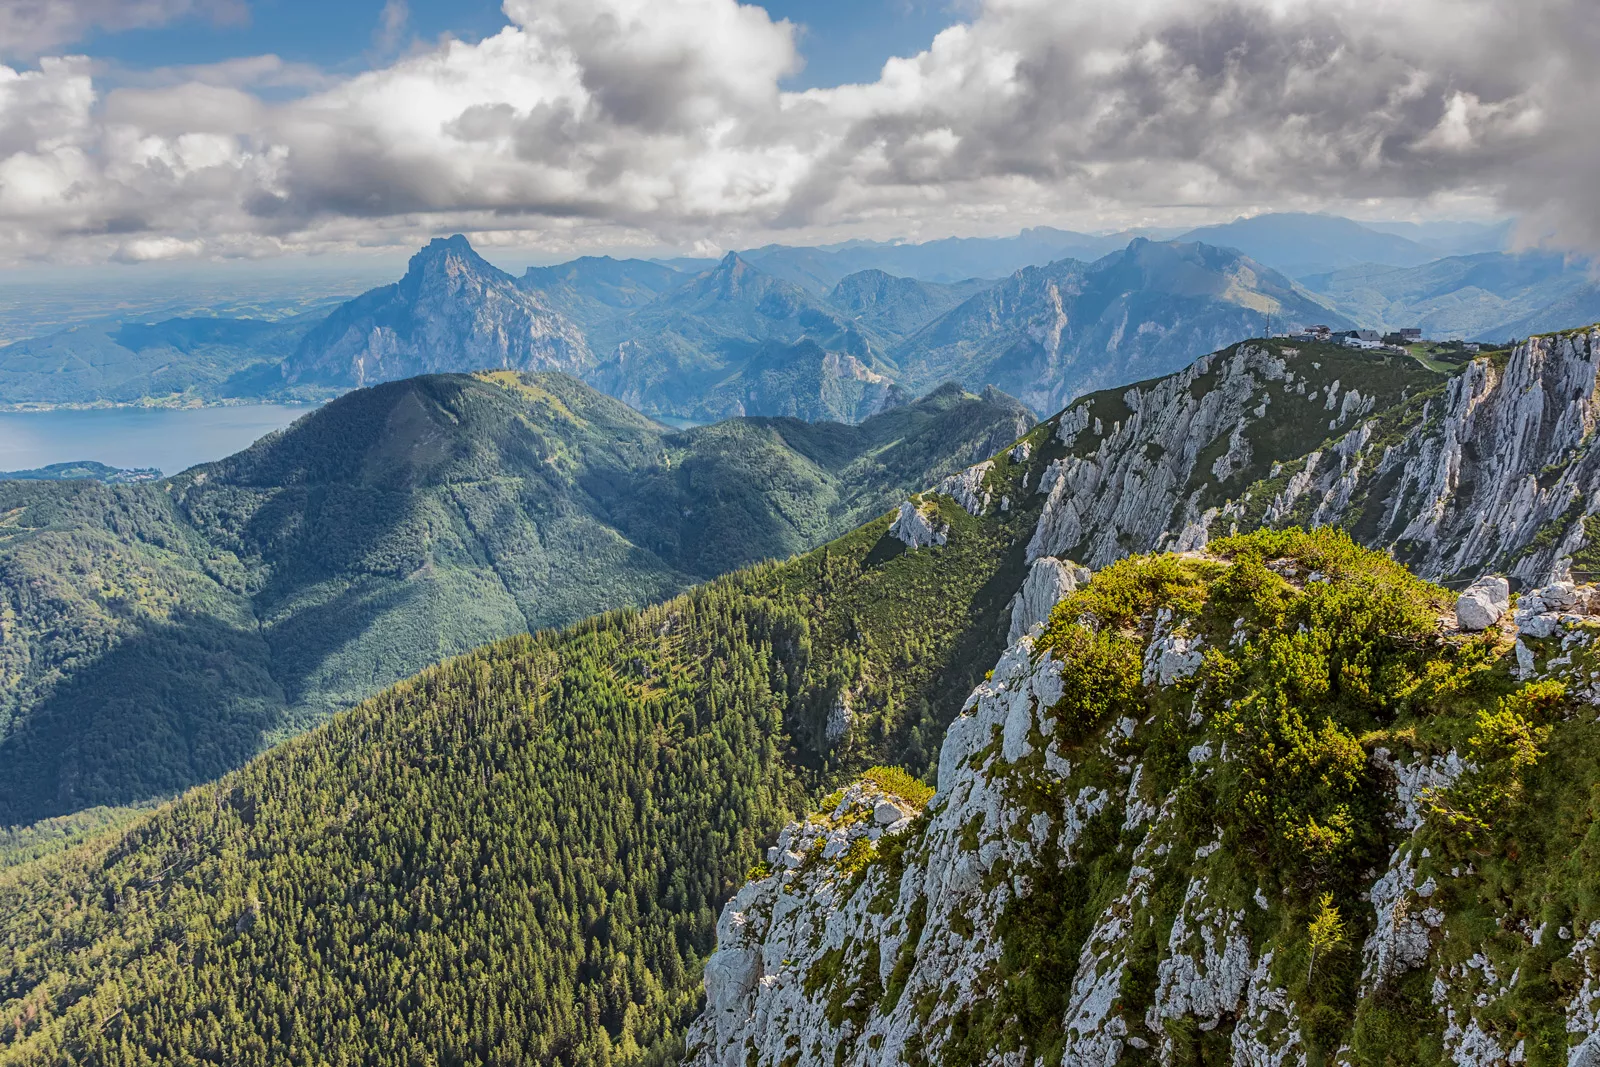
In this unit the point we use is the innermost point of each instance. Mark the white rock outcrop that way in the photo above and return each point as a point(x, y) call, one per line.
point(813, 969)
point(825, 962)
point(967, 489)
point(918, 526)
point(1496, 469)
point(1138, 487)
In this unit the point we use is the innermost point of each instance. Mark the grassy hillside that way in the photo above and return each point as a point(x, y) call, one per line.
point(154, 636)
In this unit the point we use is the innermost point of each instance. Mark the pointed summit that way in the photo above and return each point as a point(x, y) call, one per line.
point(732, 277)
point(453, 311)
point(445, 257)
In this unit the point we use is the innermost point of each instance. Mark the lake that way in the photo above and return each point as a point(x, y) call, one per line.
point(171, 439)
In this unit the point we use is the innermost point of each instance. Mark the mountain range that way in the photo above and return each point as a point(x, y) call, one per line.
point(158, 634)
point(736, 340)
point(840, 332)
point(1256, 796)
point(1049, 334)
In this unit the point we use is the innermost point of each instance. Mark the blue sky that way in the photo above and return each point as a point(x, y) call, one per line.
point(842, 40)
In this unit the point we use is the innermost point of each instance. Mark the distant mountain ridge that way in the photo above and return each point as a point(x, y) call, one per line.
point(1489, 296)
point(1048, 334)
point(1298, 244)
point(826, 332)
point(199, 358)
point(100, 472)
point(736, 340)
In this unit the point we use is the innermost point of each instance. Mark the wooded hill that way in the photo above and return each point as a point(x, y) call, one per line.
point(154, 636)
point(516, 856)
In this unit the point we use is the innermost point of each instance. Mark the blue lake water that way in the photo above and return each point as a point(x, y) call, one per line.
point(169, 439)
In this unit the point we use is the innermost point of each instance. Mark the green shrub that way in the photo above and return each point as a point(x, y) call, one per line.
point(900, 783)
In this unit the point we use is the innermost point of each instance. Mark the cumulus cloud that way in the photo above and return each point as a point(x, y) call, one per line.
point(665, 120)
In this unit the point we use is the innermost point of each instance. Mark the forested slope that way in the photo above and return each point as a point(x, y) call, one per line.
point(513, 858)
point(154, 636)
point(516, 856)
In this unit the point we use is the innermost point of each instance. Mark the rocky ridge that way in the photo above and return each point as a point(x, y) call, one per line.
point(1087, 887)
point(934, 949)
point(1495, 473)
point(1156, 464)
point(1489, 469)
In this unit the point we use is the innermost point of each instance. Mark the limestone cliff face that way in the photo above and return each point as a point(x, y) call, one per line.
point(1497, 472)
point(1148, 467)
point(1067, 897)
point(1083, 891)
point(1490, 469)
point(451, 312)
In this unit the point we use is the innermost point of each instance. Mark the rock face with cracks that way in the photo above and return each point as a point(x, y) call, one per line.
point(1049, 579)
point(1489, 469)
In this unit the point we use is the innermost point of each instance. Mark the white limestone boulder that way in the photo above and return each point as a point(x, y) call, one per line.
point(1482, 604)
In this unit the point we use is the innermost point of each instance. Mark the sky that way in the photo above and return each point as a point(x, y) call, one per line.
point(141, 131)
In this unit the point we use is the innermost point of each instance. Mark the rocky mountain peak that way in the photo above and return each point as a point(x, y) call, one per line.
point(732, 279)
point(450, 269)
point(453, 311)
point(449, 257)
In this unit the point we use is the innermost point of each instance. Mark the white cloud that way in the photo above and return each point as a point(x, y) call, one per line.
point(152, 249)
point(631, 120)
